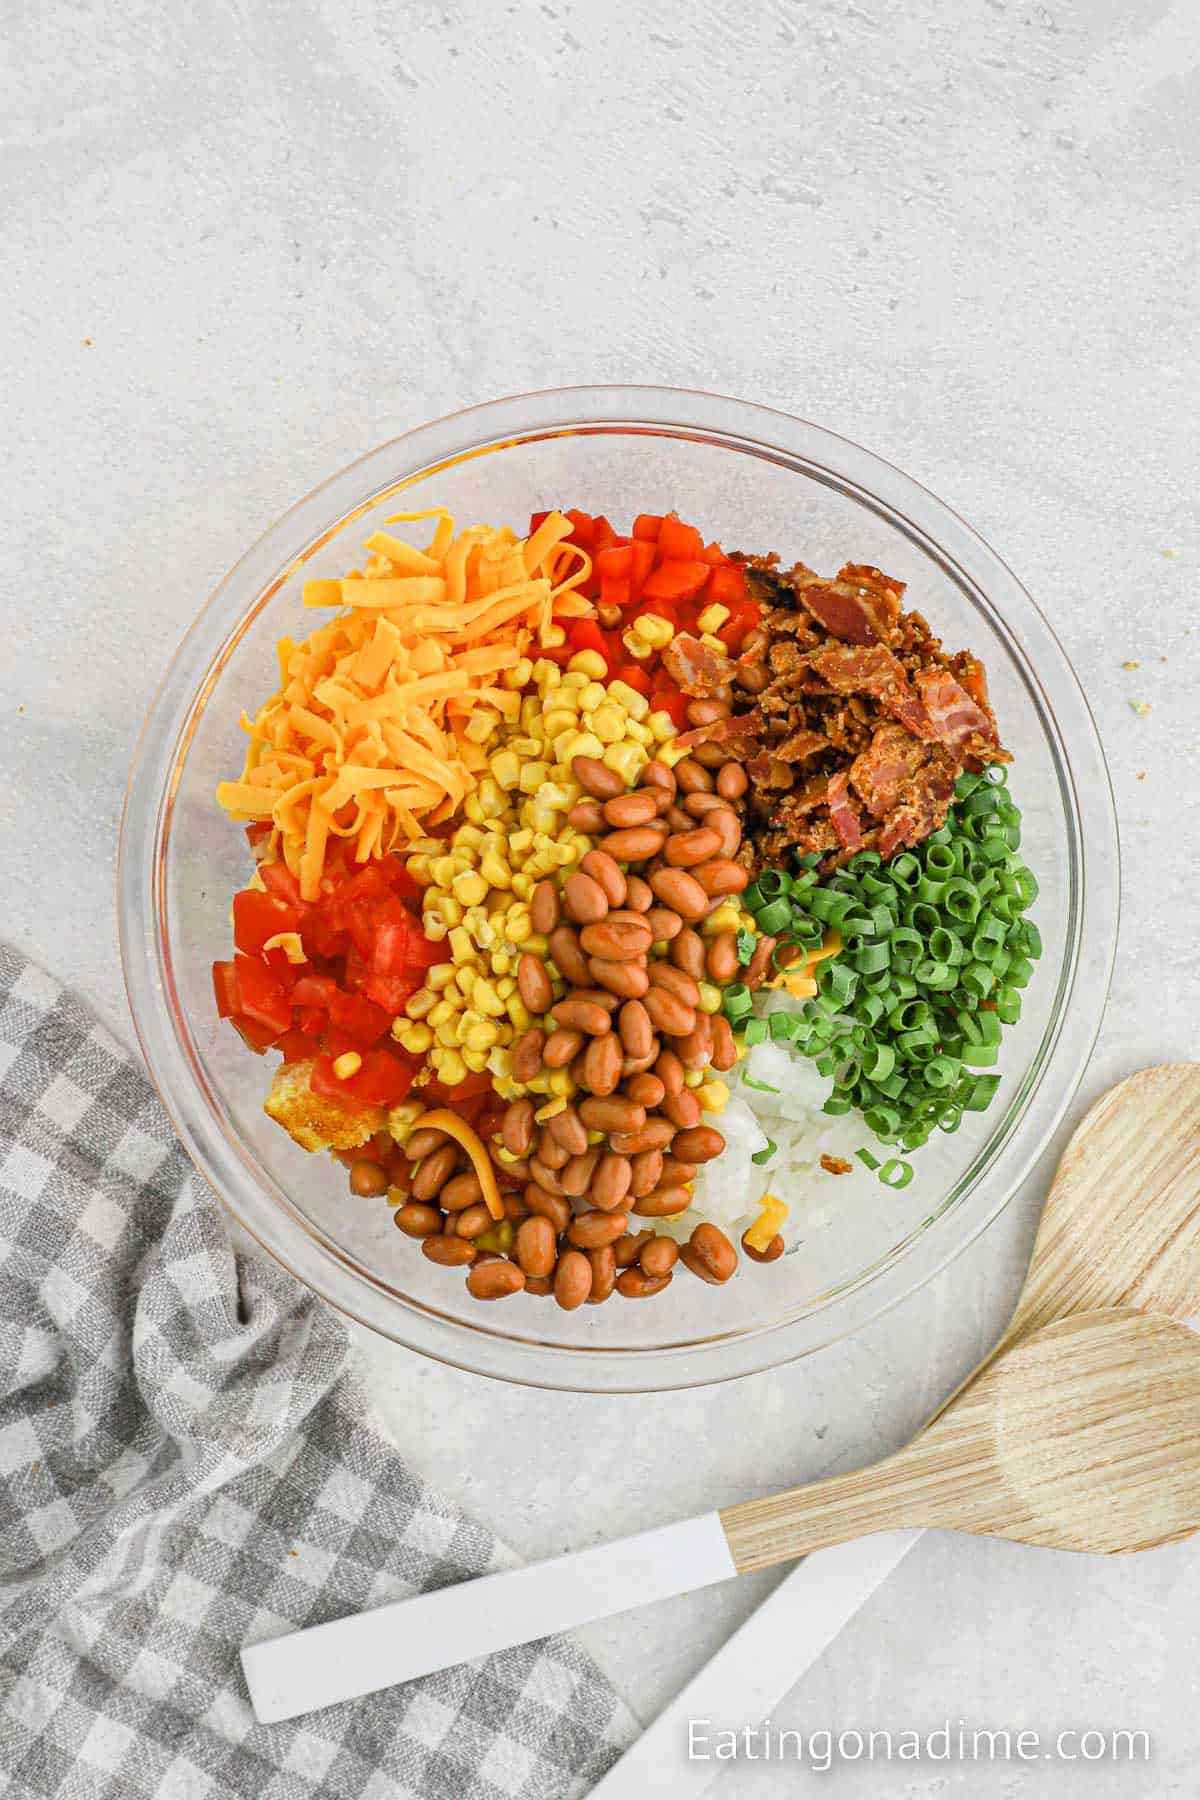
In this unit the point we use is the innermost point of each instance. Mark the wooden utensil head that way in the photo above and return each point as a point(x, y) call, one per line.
point(1121, 1226)
point(1084, 1436)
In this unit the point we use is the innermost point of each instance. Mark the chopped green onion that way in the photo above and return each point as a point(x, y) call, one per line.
point(762, 1157)
point(746, 942)
point(756, 1031)
point(774, 917)
point(762, 1087)
point(865, 1156)
point(896, 1173)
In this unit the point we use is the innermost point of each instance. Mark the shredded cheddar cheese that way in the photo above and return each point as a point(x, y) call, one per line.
point(442, 1119)
point(368, 736)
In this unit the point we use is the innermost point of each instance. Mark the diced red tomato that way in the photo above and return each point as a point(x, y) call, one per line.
point(314, 991)
point(675, 580)
point(633, 677)
point(225, 987)
point(297, 1046)
point(258, 1037)
point(615, 562)
point(261, 999)
point(679, 542)
point(258, 916)
point(392, 992)
point(726, 585)
point(310, 1019)
point(647, 527)
point(383, 1079)
point(536, 519)
point(673, 703)
point(358, 1017)
point(278, 879)
point(438, 1094)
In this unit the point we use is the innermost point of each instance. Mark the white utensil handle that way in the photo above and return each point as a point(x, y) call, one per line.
point(357, 1655)
point(756, 1668)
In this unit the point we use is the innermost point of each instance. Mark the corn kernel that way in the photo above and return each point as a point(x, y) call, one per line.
point(506, 988)
point(467, 837)
point(608, 724)
point(519, 1013)
point(590, 663)
point(522, 886)
point(472, 809)
point(416, 1039)
point(495, 871)
point(662, 726)
point(654, 630)
point(635, 704)
point(561, 719)
point(532, 776)
point(520, 675)
point(420, 1003)
point(461, 947)
point(443, 870)
point(713, 617)
point(518, 925)
point(440, 976)
point(585, 743)
point(501, 962)
point(452, 1068)
point(595, 1137)
point(710, 997)
point(547, 674)
point(712, 643)
point(539, 1083)
point(498, 1237)
point(561, 1083)
point(441, 1014)
point(481, 725)
point(641, 734)
point(670, 754)
point(491, 797)
point(637, 646)
point(506, 770)
point(693, 1078)
point(476, 1060)
point(449, 1035)
point(553, 637)
point(481, 1037)
point(713, 1096)
point(487, 1000)
point(551, 1109)
point(346, 1065)
point(726, 918)
point(628, 760)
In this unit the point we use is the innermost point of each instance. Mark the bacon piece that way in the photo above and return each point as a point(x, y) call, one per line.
point(891, 759)
point(694, 668)
point(770, 772)
point(848, 669)
point(924, 805)
point(740, 735)
point(952, 713)
point(801, 747)
point(841, 811)
point(861, 606)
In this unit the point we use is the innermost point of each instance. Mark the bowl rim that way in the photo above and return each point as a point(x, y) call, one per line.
point(946, 541)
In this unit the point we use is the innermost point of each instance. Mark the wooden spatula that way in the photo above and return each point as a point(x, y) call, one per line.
point(1084, 1436)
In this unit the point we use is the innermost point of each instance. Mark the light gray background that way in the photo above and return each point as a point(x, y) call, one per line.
point(245, 242)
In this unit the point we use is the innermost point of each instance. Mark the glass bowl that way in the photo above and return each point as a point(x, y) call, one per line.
point(754, 479)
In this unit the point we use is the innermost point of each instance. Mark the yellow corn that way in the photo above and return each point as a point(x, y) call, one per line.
point(481, 725)
point(654, 630)
point(487, 1000)
point(662, 727)
point(637, 647)
point(713, 617)
point(346, 1065)
point(588, 662)
point(710, 997)
point(561, 1083)
point(693, 1078)
point(416, 1039)
point(418, 1004)
point(628, 760)
point(608, 725)
point(452, 1068)
point(727, 917)
point(551, 1109)
point(506, 769)
point(713, 1096)
point(476, 1060)
point(520, 675)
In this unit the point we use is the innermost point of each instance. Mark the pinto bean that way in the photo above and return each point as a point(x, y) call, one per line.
point(724, 1050)
point(569, 1130)
point(628, 980)
point(700, 805)
point(416, 1220)
point(690, 777)
point(680, 891)
point(495, 1280)
point(676, 1173)
point(368, 1179)
point(569, 959)
point(670, 1071)
point(562, 1047)
point(617, 939)
point(706, 712)
point(677, 819)
point(544, 1168)
point(647, 1090)
point(434, 1171)
point(586, 815)
point(535, 1246)
point(419, 1143)
point(584, 900)
point(539, 1284)
point(685, 849)
point(460, 1192)
point(772, 1253)
point(722, 876)
point(635, 844)
point(611, 1182)
point(659, 1256)
point(604, 1273)
point(639, 896)
point(711, 755)
point(545, 1205)
point(450, 1252)
point(576, 1176)
point(732, 781)
point(545, 908)
point(517, 1127)
point(676, 981)
point(760, 962)
point(573, 1275)
point(602, 1063)
point(646, 1174)
point(663, 1202)
point(596, 778)
point(635, 1284)
point(611, 1113)
point(582, 1015)
point(655, 1134)
point(627, 1249)
point(695, 1048)
point(683, 1109)
point(709, 1254)
point(534, 983)
point(635, 1028)
point(515, 1208)
point(596, 996)
point(587, 1231)
point(608, 875)
point(629, 810)
point(721, 957)
point(668, 1013)
point(664, 924)
point(752, 677)
point(472, 1220)
point(636, 1065)
point(699, 1145)
point(527, 1053)
point(657, 775)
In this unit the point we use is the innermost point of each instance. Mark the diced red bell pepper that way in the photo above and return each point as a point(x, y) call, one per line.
point(647, 527)
point(536, 519)
point(713, 555)
point(261, 998)
point(726, 585)
point(673, 703)
point(257, 917)
point(641, 561)
point(358, 1017)
point(676, 580)
point(225, 987)
point(583, 528)
point(615, 591)
point(679, 542)
point(603, 534)
point(616, 562)
point(585, 634)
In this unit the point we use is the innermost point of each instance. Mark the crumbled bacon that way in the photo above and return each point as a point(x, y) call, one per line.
point(864, 723)
point(694, 668)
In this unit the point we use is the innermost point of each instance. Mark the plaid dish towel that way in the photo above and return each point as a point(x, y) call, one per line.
point(187, 1465)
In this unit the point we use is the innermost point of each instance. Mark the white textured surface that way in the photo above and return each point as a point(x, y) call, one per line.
point(962, 235)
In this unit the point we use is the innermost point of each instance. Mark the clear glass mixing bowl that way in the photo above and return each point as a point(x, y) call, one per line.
point(757, 480)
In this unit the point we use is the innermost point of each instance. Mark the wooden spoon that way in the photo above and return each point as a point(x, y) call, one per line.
point(1121, 1223)
point(1084, 1436)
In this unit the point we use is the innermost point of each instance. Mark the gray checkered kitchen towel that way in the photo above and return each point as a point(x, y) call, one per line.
point(187, 1465)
